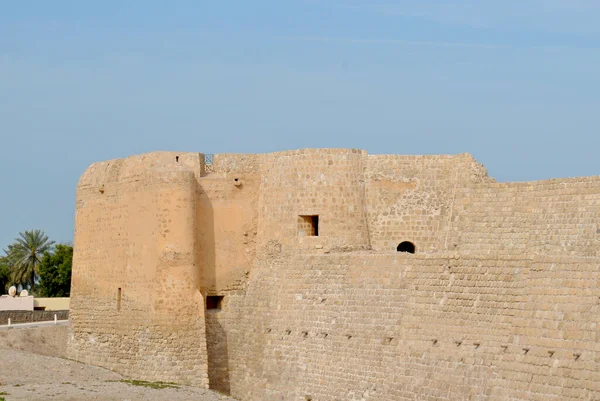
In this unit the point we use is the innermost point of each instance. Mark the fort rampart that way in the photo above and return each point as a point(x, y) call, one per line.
point(277, 277)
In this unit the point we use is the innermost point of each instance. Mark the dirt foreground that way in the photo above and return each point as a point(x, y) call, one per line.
point(30, 376)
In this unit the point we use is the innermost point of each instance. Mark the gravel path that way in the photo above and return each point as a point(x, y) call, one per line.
point(28, 376)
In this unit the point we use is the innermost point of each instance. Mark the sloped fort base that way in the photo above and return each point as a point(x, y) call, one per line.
point(279, 277)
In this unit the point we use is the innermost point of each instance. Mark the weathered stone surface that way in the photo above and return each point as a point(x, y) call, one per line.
point(500, 301)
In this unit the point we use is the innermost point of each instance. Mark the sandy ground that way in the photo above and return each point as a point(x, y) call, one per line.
point(30, 376)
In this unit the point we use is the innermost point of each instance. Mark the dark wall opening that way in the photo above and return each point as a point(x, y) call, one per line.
point(406, 246)
point(308, 225)
point(214, 302)
point(218, 353)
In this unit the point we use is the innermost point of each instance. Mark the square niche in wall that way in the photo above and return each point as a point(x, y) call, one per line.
point(214, 302)
point(308, 225)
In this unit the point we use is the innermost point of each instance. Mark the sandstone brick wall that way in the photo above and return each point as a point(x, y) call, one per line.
point(411, 198)
point(324, 182)
point(545, 217)
point(553, 354)
point(403, 327)
point(135, 269)
point(226, 221)
point(225, 338)
point(499, 303)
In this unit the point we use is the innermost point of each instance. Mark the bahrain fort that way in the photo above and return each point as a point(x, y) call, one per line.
point(332, 274)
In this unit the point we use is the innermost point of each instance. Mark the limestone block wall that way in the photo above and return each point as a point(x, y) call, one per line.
point(227, 214)
point(554, 349)
point(414, 327)
point(324, 182)
point(544, 217)
point(410, 198)
point(135, 269)
point(225, 341)
point(482, 311)
point(226, 221)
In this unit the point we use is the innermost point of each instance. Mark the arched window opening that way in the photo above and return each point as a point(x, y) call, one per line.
point(406, 246)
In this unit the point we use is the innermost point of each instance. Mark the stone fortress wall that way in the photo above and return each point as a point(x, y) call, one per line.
point(558, 216)
point(382, 327)
point(222, 285)
point(135, 238)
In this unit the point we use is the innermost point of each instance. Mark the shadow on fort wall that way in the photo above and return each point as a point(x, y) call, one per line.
point(218, 360)
point(216, 337)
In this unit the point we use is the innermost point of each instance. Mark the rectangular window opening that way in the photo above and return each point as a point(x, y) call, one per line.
point(308, 225)
point(119, 299)
point(214, 302)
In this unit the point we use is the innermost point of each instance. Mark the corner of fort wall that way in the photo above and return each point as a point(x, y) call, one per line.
point(135, 258)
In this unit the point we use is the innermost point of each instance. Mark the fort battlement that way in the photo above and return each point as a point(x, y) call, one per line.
point(278, 276)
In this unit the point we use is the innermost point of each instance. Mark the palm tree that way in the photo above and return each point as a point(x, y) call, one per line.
point(25, 254)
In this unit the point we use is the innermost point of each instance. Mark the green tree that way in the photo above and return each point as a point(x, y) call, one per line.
point(24, 256)
point(4, 275)
point(55, 272)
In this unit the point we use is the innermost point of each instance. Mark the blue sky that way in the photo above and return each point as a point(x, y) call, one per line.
point(514, 83)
